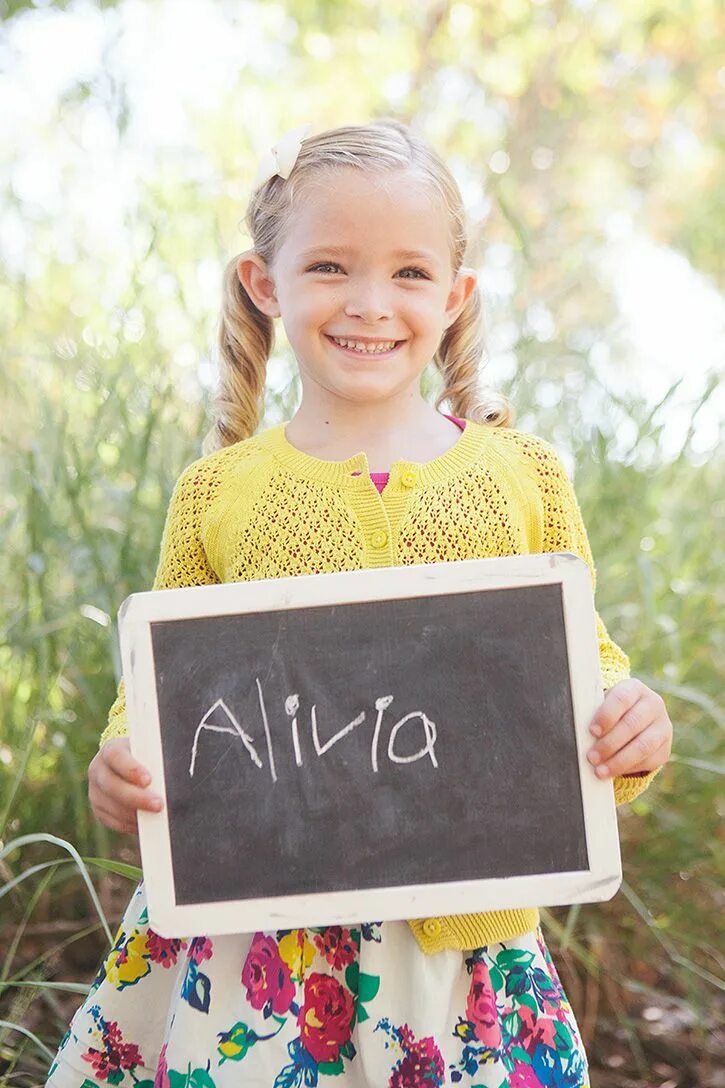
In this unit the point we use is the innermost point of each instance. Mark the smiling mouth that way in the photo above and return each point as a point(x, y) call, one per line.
point(365, 347)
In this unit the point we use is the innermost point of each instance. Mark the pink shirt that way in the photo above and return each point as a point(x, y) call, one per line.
point(381, 478)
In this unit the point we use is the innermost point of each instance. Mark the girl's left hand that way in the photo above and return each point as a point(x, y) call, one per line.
point(634, 731)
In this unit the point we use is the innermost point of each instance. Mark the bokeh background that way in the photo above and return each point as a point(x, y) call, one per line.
point(584, 136)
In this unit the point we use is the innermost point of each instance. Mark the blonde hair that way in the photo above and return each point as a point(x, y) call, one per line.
point(246, 335)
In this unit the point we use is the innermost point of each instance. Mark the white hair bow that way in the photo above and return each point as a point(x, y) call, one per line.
point(281, 158)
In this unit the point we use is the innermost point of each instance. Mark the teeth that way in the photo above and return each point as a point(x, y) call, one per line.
point(367, 349)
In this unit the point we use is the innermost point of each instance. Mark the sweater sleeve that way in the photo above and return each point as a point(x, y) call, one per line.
point(563, 530)
point(182, 560)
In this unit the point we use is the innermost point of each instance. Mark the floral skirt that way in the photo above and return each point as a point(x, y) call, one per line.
point(354, 1006)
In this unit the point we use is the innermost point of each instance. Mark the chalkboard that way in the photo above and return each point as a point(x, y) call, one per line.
point(369, 745)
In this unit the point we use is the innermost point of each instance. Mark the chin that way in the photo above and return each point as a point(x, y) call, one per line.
point(367, 394)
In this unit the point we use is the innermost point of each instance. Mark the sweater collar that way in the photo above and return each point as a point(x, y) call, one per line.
point(418, 474)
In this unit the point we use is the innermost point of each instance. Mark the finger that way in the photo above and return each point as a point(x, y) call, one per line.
point(644, 752)
point(657, 759)
point(633, 721)
point(115, 823)
point(109, 786)
point(617, 702)
point(118, 757)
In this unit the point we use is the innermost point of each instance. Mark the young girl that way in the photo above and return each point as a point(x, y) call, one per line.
point(358, 243)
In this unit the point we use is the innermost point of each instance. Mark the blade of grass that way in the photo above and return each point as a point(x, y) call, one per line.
point(10, 884)
point(119, 867)
point(22, 764)
point(29, 1035)
point(20, 929)
point(24, 840)
point(49, 953)
point(571, 920)
point(39, 984)
point(669, 948)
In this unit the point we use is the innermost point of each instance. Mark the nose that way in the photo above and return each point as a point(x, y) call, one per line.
point(369, 303)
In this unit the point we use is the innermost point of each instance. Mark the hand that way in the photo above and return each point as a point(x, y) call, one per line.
point(634, 731)
point(117, 787)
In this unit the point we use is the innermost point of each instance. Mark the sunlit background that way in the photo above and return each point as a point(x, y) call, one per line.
point(585, 139)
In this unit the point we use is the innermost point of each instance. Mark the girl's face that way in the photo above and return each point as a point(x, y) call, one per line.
point(363, 283)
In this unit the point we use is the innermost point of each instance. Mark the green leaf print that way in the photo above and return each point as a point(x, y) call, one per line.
point(514, 957)
point(363, 987)
point(200, 1079)
point(234, 1044)
point(544, 981)
point(520, 1054)
point(368, 986)
point(562, 1035)
point(496, 978)
point(177, 1080)
point(512, 1024)
point(333, 1069)
point(528, 1001)
point(352, 976)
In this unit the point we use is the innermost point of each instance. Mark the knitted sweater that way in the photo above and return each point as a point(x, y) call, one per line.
point(264, 509)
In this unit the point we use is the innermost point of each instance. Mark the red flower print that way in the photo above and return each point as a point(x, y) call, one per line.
point(422, 1066)
point(325, 1018)
point(525, 1035)
point(163, 950)
point(201, 949)
point(481, 1008)
point(337, 946)
point(267, 976)
point(109, 1063)
point(406, 1037)
point(524, 1076)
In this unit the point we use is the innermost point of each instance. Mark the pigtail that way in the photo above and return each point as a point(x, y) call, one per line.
point(246, 339)
point(459, 359)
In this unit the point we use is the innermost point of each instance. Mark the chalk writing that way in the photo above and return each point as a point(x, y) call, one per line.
point(235, 728)
point(291, 708)
point(430, 733)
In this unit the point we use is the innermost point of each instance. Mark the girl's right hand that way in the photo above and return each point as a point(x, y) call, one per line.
point(117, 787)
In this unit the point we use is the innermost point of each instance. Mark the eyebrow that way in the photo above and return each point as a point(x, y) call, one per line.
point(341, 251)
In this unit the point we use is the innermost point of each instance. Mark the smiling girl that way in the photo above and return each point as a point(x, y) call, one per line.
point(358, 247)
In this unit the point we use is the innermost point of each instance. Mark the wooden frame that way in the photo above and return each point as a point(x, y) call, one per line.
point(599, 882)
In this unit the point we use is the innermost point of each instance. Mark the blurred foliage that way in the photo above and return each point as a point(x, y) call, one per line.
point(554, 116)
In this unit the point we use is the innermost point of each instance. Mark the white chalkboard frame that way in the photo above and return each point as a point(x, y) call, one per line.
point(599, 882)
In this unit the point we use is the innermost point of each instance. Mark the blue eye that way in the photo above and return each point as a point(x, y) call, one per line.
point(322, 266)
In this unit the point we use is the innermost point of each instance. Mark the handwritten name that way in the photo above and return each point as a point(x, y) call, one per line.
point(292, 707)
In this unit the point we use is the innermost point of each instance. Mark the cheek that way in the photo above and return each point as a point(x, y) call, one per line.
point(314, 307)
point(425, 313)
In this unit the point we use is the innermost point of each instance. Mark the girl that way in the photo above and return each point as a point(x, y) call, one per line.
point(358, 246)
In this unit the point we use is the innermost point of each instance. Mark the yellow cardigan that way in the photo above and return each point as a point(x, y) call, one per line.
point(263, 509)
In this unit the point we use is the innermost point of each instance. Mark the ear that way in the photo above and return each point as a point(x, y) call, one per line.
point(462, 289)
point(256, 279)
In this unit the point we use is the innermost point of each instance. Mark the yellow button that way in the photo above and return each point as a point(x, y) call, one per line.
point(379, 538)
point(407, 478)
point(432, 927)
